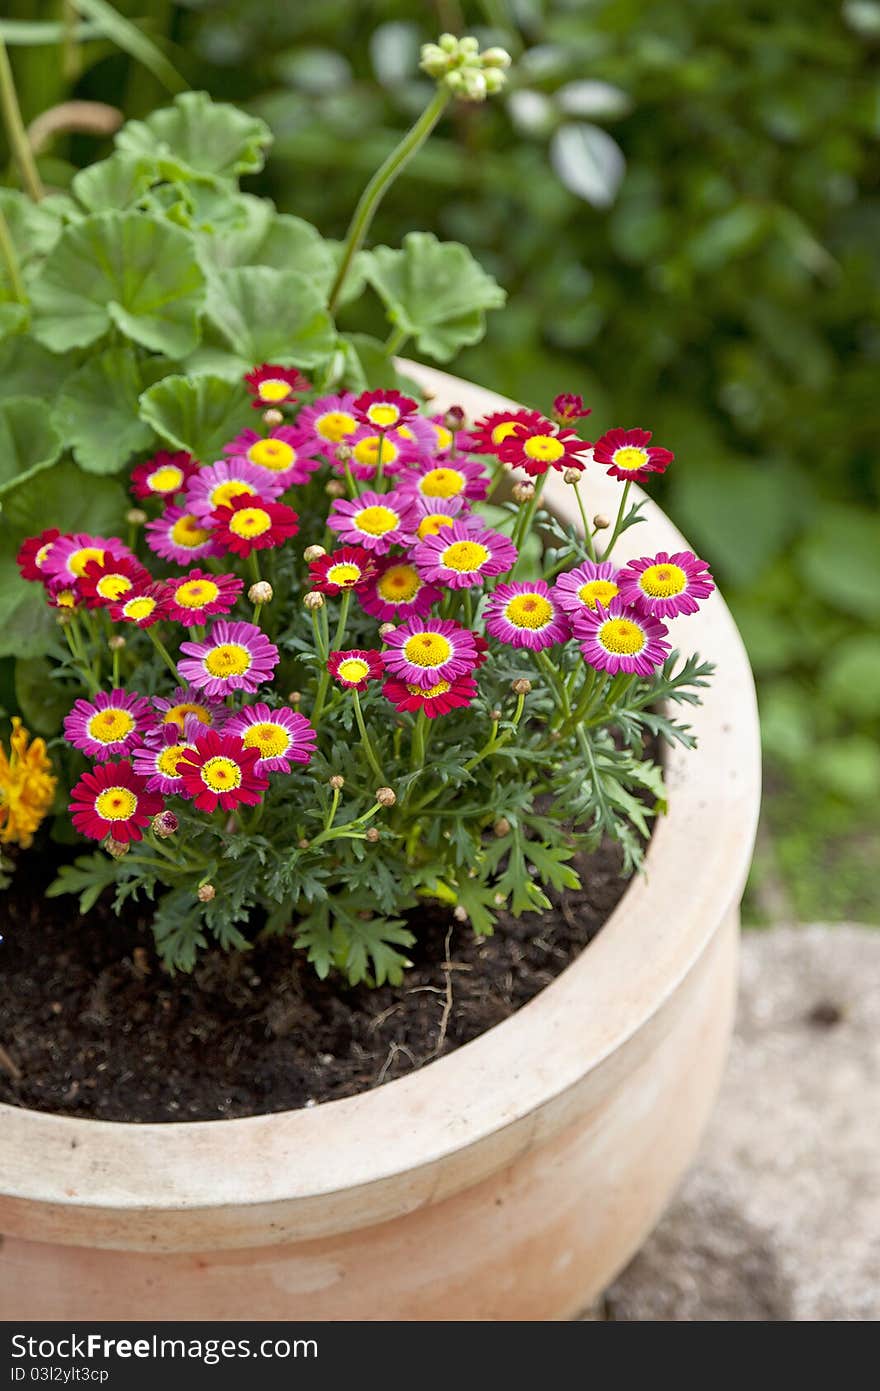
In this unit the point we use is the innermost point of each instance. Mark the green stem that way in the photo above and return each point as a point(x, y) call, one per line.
point(254, 565)
point(418, 744)
point(395, 341)
point(163, 653)
point(343, 620)
point(621, 512)
point(17, 135)
point(381, 182)
point(365, 738)
point(524, 521)
point(10, 261)
point(556, 682)
point(588, 535)
point(331, 814)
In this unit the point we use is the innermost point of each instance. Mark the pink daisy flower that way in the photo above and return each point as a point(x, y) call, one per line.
point(567, 408)
point(376, 521)
point(398, 592)
point(384, 410)
point(62, 594)
point(348, 567)
point(111, 800)
point(34, 552)
point(163, 476)
point(198, 595)
point(421, 436)
point(144, 608)
point(184, 704)
point(446, 441)
point(68, 556)
point(356, 668)
point(592, 583)
point(233, 657)
point(439, 699)
point(526, 615)
point(109, 725)
point(461, 556)
point(158, 762)
point(464, 478)
point(424, 651)
point(666, 585)
point(285, 455)
point(327, 422)
point(180, 536)
point(629, 454)
point(540, 446)
point(221, 772)
point(271, 385)
point(435, 513)
point(106, 582)
point(281, 737)
point(620, 638)
point(366, 445)
point(219, 485)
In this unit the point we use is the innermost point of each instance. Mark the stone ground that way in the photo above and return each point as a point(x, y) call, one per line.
point(779, 1219)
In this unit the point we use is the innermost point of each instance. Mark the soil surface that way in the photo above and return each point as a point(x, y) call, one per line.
point(91, 1025)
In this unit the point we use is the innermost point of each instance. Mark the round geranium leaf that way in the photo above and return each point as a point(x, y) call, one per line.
point(96, 412)
point(29, 443)
point(199, 414)
point(199, 138)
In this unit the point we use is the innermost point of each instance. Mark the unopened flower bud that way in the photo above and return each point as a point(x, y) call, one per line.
point(63, 617)
point(373, 834)
point(521, 686)
point(476, 88)
point(448, 43)
point(294, 697)
point(460, 913)
point(335, 488)
point(164, 824)
point(572, 475)
point(386, 796)
point(344, 453)
point(261, 592)
point(495, 80)
point(601, 522)
point(495, 714)
point(454, 418)
point(205, 893)
point(117, 849)
point(313, 553)
point(386, 628)
point(523, 492)
point(337, 782)
point(116, 642)
point(303, 844)
point(136, 516)
point(314, 599)
point(469, 45)
point(496, 58)
point(501, 827)
point(272, 418)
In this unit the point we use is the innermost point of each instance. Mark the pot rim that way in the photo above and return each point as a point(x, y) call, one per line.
point(694, 872)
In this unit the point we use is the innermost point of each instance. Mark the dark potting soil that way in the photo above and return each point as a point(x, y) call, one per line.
point(91, 1025)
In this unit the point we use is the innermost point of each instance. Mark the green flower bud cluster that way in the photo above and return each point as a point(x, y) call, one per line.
point(459, 65)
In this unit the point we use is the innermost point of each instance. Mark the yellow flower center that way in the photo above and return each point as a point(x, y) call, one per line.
point(427, 649)
point(344, 574)
point(222, 495)
point(662, 581)
point(376, 521)
point(229, 659)
point(597, 592)
point(139, 608)
point(443, 482)
point(271, 739)
point(366, 451)
point(444, 436)
point(383, 414)
point(406, 432)
point(273, 454)
point(40, 557)
point(250, 522)
point(503, 431)
point(113, 586)
point(399, 584)
point(629, 458)
point(464, 556)
point(353, 669)
point(167, 479)
point(169, 758)
point(273, 390)
point(528, 611)
point(178, 713)
point(109, 725)
point(621, 636)
point(432, 692)
point(221, 774)
point(335, 425)
point(116, 804)
point(65, 599)
point(432, 524)
point(545, 448)
point(187, 533)
point(195, 594)
point(80, 559)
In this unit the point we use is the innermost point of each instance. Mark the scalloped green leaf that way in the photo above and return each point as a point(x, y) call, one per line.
point(29, 369)
point(199, 138)
point(199, 414)
point(278, 240)
point(26, 622)
point(435, 291)
point(268, 315)
point(29, 442)
point(126, 269)
point(34, 231)
point(97, 412)
point(114, 183)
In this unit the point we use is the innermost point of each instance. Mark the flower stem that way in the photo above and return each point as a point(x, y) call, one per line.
point(395, 341)
point(18, 141)
point(379, 185)
point(343, 620)
point(621, 513)
point(163, 652)
point(10, 261)
point(588, 535)
point(365, 738)
point(524, 522)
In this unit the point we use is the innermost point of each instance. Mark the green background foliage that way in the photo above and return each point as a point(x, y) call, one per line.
point(681, 203)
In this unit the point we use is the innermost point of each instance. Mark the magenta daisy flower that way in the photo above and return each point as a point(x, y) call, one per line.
point(158, 762)
point(111, 800)
point(384, 410)
point(185, 703)
point(34, 552)
point(666, 585)
point(446, 441)
point(629, 454)
point(143, 608)
point(461, 556)
point(108, 581)
point(163, 476)
point(233, 657)
point(219, 485)
point(199, 595)
point(439, 699)
point(62, 594)
point(271, 385)
point(221, 772)
point(285, 455)
point(463, 478)
point(399, 592)
point(435, 513)
point(621, 638)
point(424, 651)
point(281, 737)
point(182, 537)
point(366, 446)
point(327, 422)
point(541, 446)
point(421, 437)
point(348, 567)
point(109, 725)
point(593, 582)
point(526, 615)
point(253, 524)
point(567, 408)
point(68, 556)
point(355, 668)
point(376, 521)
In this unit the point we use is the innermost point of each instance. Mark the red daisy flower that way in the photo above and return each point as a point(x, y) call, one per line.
point(111, 800)
point(436, 700)
point(384, 410)
point(271, 385)
point(33, 552)
point(482, 646)
point(355, 668)
point(115, 577)
point(540, 446)
point(144, 608)
point(163, 476)
point(220, 772)
point(568, 408)
point(630, 455)
point(253, 524)
point(198, 595)
point(348, 567)
point(492, 430)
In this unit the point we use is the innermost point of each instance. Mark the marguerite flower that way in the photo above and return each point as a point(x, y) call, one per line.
point(525, 614)
point(383, 410)
point(398, 592)
point(34, 552)
point(435, 513)
point(68, 556)
point(447, 441)
point(376, 521)
point(281, 737)
point(620, 638)
point(355, 668)
point(254, 524)
point(63, 594)
point(286, 455)
point(221, 772)
point(491, 431)
point(158, 762)
point(435, 700)
point(567, 408)
point(541, 446)
point(180, 536)
point(111, 800)
point(27, 786)
point(221, 483)
point(143, 608)
point(368, 444)
point(460, 555)
point(630, 455)
point(233, 657)
point(328, 421)
point(271, 385)
point(110, 580)
point(163, 476)
point(464, 478)
point(666, 585)
point(185, 703)
point(424, 651)
point(108, 725)
point(591, 583)
point(348, 567)
point(199, 595)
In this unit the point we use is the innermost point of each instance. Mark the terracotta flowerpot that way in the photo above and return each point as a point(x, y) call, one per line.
point(510, 1180)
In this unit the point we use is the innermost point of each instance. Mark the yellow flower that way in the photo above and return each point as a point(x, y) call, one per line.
point(27, 786)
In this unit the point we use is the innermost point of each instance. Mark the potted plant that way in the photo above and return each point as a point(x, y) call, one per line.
point(350, 663)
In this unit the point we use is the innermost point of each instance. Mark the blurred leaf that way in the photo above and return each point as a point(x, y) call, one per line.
point(588, 161)
point(268, 315)
point(851, 678)
point(33, 228)
point(114, 183)
point(62, 497)
point(132, 41)
point(849, 767)
point(26, 622)
point(199, 138)
point(42, 701)
point(589, 98)
point(28, 442)
point(394, 51)
point(840, 560)
point(198, 414)
point(97, 412)
point(739, 517)
point(27, 368)
point(313, 70)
